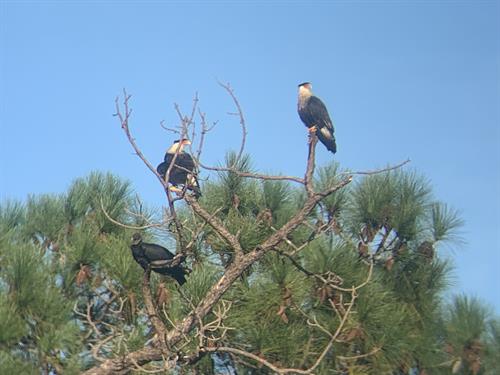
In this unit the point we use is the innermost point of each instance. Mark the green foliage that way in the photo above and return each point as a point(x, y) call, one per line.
point(44, 217)
point(492, 349)
point(233, 192)
point(470, 335)
point(12, 326)
point(444, 223)
point(117, 261)
point(88, 196)
point(45, 246)
point(338, 257)
point(23, 269)
point(327, 177)
point(260, 326)
point(82, 247)
point(200, 281)
point(12, 365)
point(12, 216)
point(418, 282)
point(465, 320)
point(276, 195)
point(394, 200)
point(63, 261)
point(57, 337)
point(32, 307)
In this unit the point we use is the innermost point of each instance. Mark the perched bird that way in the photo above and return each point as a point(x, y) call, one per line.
point(156, 257)
point(183, 171)
point(314, 115)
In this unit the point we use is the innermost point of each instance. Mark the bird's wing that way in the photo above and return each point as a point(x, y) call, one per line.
point(185, 160)
point(319, 114)
point(156, 252)
point(138, 254)
point(162, 169)
point(177, 175)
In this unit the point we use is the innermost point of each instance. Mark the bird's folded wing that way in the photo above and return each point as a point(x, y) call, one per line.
point(319, 113)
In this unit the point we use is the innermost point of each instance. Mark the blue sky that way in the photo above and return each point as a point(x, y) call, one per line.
point(402, 79)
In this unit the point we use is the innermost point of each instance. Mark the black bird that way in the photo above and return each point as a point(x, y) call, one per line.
point(314, 115)
point(183, 171)
point(156, 257)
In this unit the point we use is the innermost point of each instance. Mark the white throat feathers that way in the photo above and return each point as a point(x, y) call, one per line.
point(176, 146)
point(304, 94)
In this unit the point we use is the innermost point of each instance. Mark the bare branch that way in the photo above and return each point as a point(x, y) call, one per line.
point(308, 179)
point(142, 227)
point(97, 348)
point(236, 268)
point(215, 223)
point(153, 316)
point(258, 176)
point(355, 357)
point(376, 171)
point(124, 120)
point(230, 91)
point(215, 329)
point(279, 370)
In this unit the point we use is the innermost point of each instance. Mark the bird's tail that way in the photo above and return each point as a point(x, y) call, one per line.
point(162, 169)
point(329, 142)
point(194, 185)
point(178, 273)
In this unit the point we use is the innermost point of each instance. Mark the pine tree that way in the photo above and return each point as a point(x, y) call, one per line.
point(286, 275)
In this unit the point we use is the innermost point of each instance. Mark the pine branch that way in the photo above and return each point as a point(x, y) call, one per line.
point(234, 270)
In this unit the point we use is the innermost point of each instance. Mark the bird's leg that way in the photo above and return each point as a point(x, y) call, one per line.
point(175, 189)
point(312, 132)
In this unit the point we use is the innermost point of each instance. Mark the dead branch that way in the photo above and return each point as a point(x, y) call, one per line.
point(151, 311)
point(215, 223)
point(204, 130)
point(232, 273)
point(95, 349)
point(257, 176)
point(230, 91)
point(280, 370)
point(376, 171)
point(236, 268)
point(124, 120)
point(355, 357)
point(308, 179)
point(170, 338)
point(116, 222)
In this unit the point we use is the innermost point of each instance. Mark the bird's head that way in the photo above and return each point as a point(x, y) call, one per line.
point(136, 238)
point(178, 145)
point(305, 89)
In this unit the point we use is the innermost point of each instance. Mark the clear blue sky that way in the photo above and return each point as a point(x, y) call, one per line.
point(417, 79)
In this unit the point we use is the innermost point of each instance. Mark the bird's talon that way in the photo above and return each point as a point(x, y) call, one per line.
point(175, 189)
point(312, 132)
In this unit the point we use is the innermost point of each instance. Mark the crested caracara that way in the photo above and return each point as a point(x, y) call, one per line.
point(314, 115)
point(157, 258)
point(183, 172)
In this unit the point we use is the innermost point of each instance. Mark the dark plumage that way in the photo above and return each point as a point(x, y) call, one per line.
point(314, 115)
point(156, 257)
point(183, 171)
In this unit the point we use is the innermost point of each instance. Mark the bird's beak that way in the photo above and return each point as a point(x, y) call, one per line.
point(187, 142)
